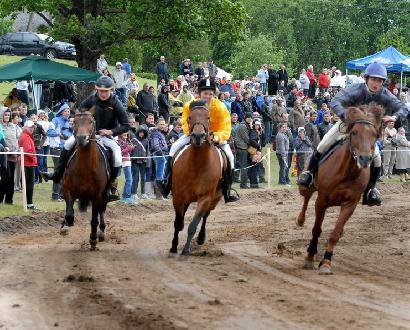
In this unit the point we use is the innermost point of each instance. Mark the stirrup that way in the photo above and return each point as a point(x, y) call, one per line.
point(372, 198)
point(229, 198)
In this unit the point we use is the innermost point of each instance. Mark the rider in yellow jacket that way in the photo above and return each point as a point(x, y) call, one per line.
point(220, 127)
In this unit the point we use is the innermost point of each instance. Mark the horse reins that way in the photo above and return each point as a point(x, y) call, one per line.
point(87, 113)
point(359, 121)
point(198, 123)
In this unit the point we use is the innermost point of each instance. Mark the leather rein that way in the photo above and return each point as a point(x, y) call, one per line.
point(358, 121)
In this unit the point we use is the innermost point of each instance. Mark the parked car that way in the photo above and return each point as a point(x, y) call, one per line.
point(27, 43)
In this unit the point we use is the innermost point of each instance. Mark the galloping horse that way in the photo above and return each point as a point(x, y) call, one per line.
point(86, 178)
point(196, 177)
point(341, 179)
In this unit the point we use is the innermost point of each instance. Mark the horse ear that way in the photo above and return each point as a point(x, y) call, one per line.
point(92, 110)
point(377, 112)
point(353, 113)
point(77, 111)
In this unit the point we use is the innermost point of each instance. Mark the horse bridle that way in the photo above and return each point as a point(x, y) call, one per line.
point(87, 113)
point(358, 121)
point(202, 124)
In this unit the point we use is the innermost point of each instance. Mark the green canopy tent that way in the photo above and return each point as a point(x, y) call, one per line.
point(36, 68)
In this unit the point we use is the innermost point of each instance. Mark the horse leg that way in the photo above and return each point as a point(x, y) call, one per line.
point(346, 211)
point(202, 234)
point(69, 216)
point(94, 226)
point(101, 231)
point(178, 226)
point(192, 228)
point(320, 210)
point(300, 221)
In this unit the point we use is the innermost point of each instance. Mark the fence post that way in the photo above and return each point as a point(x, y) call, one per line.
point(269, 170)
point(23, 179)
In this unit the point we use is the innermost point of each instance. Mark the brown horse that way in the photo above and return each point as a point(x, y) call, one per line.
point(341, 180)
point(196, 177)
point(86, 178)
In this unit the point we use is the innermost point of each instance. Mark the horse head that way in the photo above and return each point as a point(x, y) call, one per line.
point(363, 127)
point(84, 127)
point(198, 122)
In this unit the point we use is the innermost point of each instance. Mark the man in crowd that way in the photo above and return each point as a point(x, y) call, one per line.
point(325, 127)
point(145, 102)
point(162, 70)
point(120, 78)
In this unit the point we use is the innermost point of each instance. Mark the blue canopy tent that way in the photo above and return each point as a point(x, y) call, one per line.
point(391, 58)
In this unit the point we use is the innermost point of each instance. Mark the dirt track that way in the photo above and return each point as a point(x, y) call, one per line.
point(247, 275)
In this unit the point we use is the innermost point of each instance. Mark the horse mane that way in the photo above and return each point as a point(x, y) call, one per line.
point(372, 113)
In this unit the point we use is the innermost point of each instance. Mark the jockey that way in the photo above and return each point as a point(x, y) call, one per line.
point(110, 120)
point(220, 127)
point(358, 94)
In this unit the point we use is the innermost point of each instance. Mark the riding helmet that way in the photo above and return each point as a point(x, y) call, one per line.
point(104, 83)
point(376, 70)
point(206, 84)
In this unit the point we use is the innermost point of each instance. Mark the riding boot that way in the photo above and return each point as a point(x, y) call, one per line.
point(227, 187)
point(306, 178)
point(59, 169)
point(112, 192)
point(371, 196)
point(165, 185)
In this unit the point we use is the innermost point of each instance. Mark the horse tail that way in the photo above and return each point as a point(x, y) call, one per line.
point(83, 204)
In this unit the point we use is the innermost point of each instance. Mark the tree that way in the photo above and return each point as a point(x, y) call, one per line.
point(96, 26)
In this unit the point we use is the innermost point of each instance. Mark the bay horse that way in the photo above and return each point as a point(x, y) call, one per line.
point(196, 177)
point(86, 178)
point(341, 180)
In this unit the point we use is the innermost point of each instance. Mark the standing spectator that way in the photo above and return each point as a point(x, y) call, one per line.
point(277, 114)
point(227, 88)
point(321, 110)
point(4, 175)
point(162, 70)
point(296, 118)
point(132, 83)
point(389, 148)
point(132, 101)
point(290, 151)
point(30, 162)
point(255, 143)
point(324, 81)
point(23, 113)
point(212, 69)
point(324, 127)
point(242, 143)
point(159, 149)
point(39, 137)
point(185, 68)
point(283, 74)
point(267, 118)
point(304, 82)
point(45, 148)
point(124, 142)
point(22, 91)
point(238, 107)
point(403, 155)
point(138, 165)
point(312, 82)
point(120, 78)
point(272, 80)
point(102, 64)
point(164, 104)
point(15, 119)
point(282, 149)
point(303, 147)
point(9, 135)
point(234, 124)
point(127, 67)
point(199, 71)
point(263, 77)
point(145, 102)
point(311, 130)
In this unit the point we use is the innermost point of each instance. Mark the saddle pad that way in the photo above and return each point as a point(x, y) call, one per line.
point(104, 153)
point(331, 150)
point(179, 153)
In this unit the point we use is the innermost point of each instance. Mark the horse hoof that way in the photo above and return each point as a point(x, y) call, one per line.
point(173, 255)
point(185, 253)
point(308, 264)
point(64, 231)
point(101, 236)
point(93, 244)
point(200, 241)
point(325, 268)
point(300, 222)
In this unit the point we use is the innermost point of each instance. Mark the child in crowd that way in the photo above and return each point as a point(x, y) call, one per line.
point(124, 142)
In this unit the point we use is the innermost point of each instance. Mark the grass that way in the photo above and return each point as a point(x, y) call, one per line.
point(5, 88)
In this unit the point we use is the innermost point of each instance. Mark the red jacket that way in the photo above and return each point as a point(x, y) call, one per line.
point(311, 76)
point(324, 80)
point(26, 141)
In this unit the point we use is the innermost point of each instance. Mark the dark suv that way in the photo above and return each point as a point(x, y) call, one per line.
point(27, 43)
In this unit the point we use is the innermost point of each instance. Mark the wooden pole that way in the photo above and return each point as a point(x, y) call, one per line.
point(23, 179)
point(269, 169)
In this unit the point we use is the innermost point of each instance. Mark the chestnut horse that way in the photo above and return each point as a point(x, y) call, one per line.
point(341, 179)
point(196, 177)
point(86, 178)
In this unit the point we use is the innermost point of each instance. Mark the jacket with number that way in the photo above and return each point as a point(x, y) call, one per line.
point(220, 120)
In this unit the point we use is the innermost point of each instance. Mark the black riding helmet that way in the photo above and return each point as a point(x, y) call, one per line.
point(104, 83)
point(207, 84)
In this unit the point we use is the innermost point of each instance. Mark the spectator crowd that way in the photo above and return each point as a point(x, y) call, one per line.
point(271, 109)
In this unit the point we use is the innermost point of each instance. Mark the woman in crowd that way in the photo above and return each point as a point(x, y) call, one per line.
point(124, 142)
point(389, 148)
point(45, 148)
point(403, 155)
point(139, 165)
point(30, 162)
point(254, 150)
point(282, 150)
point(11, 136)
point(304, 82)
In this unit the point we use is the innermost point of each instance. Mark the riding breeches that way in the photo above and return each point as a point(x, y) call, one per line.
point(107, 142)
point(184, 140)
point(338, 132)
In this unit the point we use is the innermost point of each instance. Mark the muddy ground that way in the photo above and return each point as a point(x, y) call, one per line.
point(248, 275)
